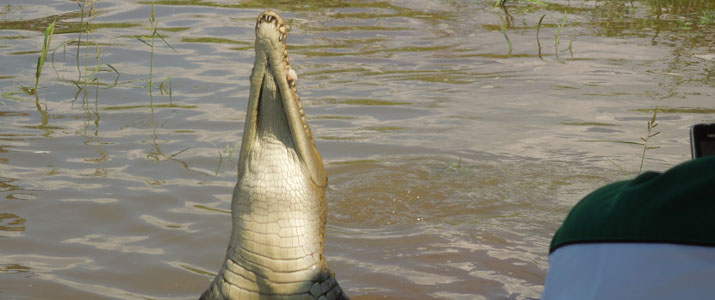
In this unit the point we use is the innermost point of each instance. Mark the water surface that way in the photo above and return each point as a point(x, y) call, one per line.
point(452, 159)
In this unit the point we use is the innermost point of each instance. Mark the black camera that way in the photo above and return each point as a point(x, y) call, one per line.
point(702, 140)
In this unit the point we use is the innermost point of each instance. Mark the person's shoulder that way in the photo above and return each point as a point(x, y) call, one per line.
point(675, 206)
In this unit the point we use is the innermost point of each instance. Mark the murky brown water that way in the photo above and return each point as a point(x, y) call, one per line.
point(451, 161)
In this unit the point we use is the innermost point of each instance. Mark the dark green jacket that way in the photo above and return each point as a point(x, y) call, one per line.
point(677, 206)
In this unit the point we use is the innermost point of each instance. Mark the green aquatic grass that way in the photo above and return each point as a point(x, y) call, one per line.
point(374, 102)
point(165, 88)
point(226, 154)
point(588, 124)
point(385, 128)
point(503, 27)
point(49, 32)
point(651, 133)
point(13, 37)
point(353, 28)
point(174, 29)
point(335, 71)
point(26, 52)
point(353, 162)
point(244, 48)
point(212, 209)
point(679, 110)
point(502, 2)
point(130, 107)
point(336, 138)
point(612, 141)
point(196, 270)
point(317, 5)
point(89, 44)
point(367, 51)
point(332, 118)
point(64, 27)
point(465, 117)
point(557, 36)
point(339, 44)
point(11, 96)
point(212, 40)
point(149, 41)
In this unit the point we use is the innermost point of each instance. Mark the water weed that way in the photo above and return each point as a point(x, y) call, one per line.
point(49, 32)
point(557, 36)
point(149, 41)
point(503, 31)
point(651, 126)
point(165, 89)
point(227, 154)
point(502, 2)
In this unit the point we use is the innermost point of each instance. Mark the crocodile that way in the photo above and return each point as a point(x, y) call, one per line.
point(278, 208)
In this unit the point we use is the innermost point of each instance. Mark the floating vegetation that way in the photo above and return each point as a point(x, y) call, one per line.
point(129, 107)
point(369, 51)
point(214, 209)
point(611, 141)
point(502, 2)
point(588, 124)
point(681, 110)
point(336, 138)
point(11, 96)
point(63, 25)
point(353, 28)
point(212, 40)
point(25, 52)
point(331, 118)
point(374, 102)
point(174, 29)
point(14, 37)
point(353, 162)
point(317, 5)
point(385, 128)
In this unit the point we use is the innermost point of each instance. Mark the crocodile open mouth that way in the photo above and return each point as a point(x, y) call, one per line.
point(273, 79)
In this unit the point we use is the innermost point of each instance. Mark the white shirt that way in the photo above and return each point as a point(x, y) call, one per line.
point(614, 271)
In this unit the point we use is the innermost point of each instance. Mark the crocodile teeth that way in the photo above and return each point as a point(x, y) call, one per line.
point(292, 77)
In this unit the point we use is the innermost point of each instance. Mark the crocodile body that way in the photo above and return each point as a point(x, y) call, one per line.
point(279, 207)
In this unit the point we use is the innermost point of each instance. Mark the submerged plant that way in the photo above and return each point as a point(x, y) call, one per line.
point(165, 89)
point(503, 28)
point(226, 154)
point(651, 125)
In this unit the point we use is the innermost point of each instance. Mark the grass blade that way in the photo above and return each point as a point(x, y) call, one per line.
point(49, 32)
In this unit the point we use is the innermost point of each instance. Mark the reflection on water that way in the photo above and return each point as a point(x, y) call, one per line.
point(115, 243)
point(11, 225)
point(455, 140)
